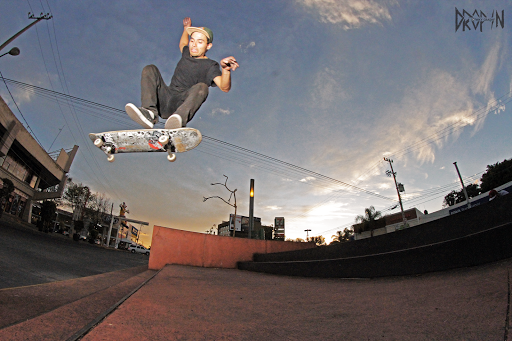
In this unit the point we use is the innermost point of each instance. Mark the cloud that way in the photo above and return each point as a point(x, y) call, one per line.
point(483, 78)
point(384, 185)
point(220, 112)
point(273, 208)
point(351, 13)
point(430, 112)
point(328, 211)
point(435, 111)
point(244, 47)
point(328, 90)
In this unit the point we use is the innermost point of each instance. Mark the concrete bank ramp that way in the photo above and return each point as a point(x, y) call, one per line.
point(195, 303)
point(61, 310)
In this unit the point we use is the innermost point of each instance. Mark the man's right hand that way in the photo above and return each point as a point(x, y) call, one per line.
point(187, 22)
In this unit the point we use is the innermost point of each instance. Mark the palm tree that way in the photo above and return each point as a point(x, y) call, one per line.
point(368, 219)
point(341, 237)
point(337, 237)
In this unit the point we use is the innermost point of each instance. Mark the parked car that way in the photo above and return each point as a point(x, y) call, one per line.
point(138, 249)
point(66, 233)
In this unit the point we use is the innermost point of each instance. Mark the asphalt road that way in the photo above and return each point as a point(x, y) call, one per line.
point(29, 257)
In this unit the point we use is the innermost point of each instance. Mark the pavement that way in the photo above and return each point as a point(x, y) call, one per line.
point(192, 303)
point(31, 257)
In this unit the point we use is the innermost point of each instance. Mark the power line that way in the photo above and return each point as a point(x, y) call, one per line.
point(19, 110)
point(70, 105)
point(295, 168)
point(212, 145)
point(252, 159)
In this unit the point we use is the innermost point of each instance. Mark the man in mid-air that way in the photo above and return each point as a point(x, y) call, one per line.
point(178, 102)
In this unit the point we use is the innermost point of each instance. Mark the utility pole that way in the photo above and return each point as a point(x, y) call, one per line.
point(107, 242)
point(47, 16)
point(393, 173)
point(307, 234)
point(463, 187)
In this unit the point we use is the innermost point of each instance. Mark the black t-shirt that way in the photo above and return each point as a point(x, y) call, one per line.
point(191, 71)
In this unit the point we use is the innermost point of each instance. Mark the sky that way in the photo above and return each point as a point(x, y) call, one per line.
point(325, 90)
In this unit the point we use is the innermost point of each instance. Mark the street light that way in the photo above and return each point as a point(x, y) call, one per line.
point(13, 52)
point(251, 210)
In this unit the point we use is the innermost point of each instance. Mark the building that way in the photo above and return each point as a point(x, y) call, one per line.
point(260, 231)
point(35, 174)
point(414, 217)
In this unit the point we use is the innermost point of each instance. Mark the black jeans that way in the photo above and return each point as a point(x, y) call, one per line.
point(159, 98)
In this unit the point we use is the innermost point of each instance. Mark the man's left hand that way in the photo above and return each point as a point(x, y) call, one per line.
point(229, 64)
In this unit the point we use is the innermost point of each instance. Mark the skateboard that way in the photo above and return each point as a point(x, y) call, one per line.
point(147, 140)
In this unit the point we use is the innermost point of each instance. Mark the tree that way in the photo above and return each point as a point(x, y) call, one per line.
point(212, 230)
point(5, 191)
point(296, 240)
point(496, 175)
point(48, 213)
point(98, 207)
point(76, 196)
point(368, 221)
point(342, 237)
point(318, 240)
point(455, 197)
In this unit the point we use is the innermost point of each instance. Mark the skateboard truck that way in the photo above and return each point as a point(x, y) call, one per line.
point(108, 150)
point(164, 141)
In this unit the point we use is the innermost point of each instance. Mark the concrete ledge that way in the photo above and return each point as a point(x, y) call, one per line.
point(477, 219)
point(475, 249)
point(171, 246)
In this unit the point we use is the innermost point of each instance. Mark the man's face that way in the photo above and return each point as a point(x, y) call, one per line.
point(198, 45)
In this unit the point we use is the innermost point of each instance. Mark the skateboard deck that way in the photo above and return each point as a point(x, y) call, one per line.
point(147, 140)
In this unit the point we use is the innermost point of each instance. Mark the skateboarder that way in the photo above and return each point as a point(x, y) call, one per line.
point(178, 102)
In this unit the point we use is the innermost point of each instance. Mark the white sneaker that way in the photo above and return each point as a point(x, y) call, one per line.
point(173, 122)
point(142, 116)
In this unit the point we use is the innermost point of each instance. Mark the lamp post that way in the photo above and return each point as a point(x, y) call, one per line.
point(13, 52)
point(251, 209)
point(47, 16)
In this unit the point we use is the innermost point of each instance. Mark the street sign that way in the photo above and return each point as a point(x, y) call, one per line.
point(279, 227)
point(238, 222)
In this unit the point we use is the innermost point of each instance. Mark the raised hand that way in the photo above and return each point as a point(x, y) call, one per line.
point(187, 22)
point(229, 64)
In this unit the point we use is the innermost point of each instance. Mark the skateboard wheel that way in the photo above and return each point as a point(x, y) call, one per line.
point(164, 139)
point(111, 158)
point(171, 157)
point(98, 142)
